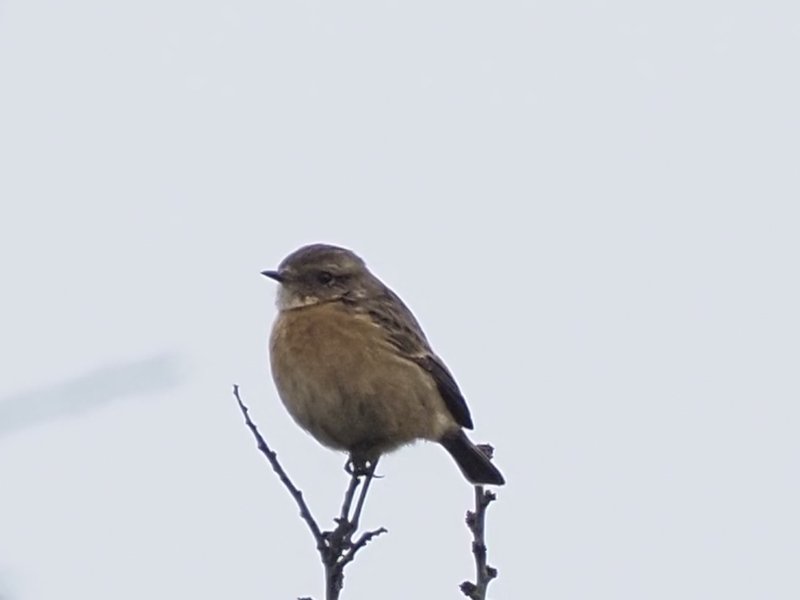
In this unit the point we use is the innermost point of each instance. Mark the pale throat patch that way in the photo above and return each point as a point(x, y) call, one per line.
point(287, 300)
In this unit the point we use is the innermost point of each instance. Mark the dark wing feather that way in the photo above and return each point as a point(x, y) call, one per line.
point(448, 388)
point(405, 333)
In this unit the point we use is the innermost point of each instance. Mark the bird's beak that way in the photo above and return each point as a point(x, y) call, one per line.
point(273, 275)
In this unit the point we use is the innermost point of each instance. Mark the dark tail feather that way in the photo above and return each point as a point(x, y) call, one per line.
point(474, 464)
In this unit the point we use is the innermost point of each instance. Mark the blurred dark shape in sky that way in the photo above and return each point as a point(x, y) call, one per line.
point(88, 392)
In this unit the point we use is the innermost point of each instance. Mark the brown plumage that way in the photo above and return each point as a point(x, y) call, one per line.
point(354, 368)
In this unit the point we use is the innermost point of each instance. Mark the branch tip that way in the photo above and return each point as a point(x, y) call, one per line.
point(335, 547)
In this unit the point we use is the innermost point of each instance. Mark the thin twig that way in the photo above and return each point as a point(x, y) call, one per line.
point(335, 547)
point(476, 521)
point(359, 544)
point(341, 549)
point(348, 497)
point(272, 457)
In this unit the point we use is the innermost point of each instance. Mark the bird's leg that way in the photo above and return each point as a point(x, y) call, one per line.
point(368, 476)
point(358, 466)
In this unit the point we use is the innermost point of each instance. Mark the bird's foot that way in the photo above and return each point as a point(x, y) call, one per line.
point(357, 466)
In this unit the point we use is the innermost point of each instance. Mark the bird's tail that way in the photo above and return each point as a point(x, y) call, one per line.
point(474, 464)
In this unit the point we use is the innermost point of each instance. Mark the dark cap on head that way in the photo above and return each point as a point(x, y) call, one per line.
point(316, 257)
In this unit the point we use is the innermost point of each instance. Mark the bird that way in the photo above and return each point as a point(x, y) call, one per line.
point(354, 369)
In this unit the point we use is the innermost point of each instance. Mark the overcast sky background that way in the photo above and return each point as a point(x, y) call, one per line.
point(592, 207)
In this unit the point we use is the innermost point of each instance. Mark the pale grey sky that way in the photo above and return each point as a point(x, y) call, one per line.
point(591, 207)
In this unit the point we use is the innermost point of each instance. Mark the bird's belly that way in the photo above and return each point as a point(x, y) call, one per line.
point(346, 385)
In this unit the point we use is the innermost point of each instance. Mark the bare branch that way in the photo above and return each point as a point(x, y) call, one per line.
point(476, 522)
point(360, 543)
point(348, 497)
point(335, 547)
point(272, 457)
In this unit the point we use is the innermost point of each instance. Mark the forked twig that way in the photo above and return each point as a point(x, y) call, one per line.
point(335, 547)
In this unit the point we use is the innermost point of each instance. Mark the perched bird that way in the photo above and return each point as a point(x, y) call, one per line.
point(354, 369)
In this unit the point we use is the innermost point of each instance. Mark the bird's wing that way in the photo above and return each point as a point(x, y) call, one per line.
point(448, 388)
point(404, 333)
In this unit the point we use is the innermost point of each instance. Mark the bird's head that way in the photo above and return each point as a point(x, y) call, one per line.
point(320, 273)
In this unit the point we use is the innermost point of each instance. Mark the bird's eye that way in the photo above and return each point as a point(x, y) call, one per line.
point(324, 277)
